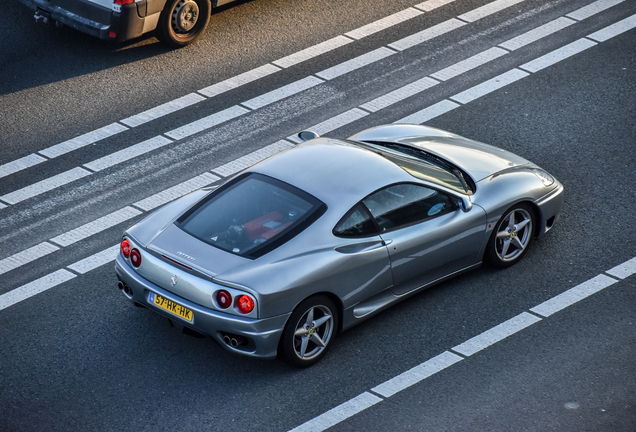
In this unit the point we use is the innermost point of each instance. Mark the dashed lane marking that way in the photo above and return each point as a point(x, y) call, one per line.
point(45, 185)
point(573, 295)
point(163, 110)
point(384, 23)
point(593, 9)
point(489, 86)
point(339, 413)
point(355, 63)
point(313, 51)
point(487, 10)
point(36, 287)
point(96, 226)
point(537, 33)
point(206, 122)
point(426, 35)
point(83, 140)
point(416, 374)
point(128, 153)
point(557, 55)
point(26, 256)
point(177, 191)
point(97, 260)
point(614, 30)
point(20, 164)
point(623, 270)
point(282, 92)
point(469, 64)
point(496, 334)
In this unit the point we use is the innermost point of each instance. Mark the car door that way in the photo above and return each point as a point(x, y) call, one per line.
point(364, 263)
point(428, 236)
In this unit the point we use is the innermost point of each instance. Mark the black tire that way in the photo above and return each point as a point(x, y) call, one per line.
point(182, 22)
point(319, 332)
point(511, 237)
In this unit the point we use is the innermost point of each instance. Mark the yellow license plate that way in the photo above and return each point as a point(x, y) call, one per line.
point(170, 306)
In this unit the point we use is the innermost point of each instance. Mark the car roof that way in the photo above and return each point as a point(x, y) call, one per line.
point(336, 172)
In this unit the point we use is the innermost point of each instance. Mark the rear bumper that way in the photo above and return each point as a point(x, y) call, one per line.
point(93, 19)
point(549, 207)
point(261, 335)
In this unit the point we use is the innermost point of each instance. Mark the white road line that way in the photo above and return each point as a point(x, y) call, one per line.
point(573, 295)
point(239, 80)
point(428, 34)
point(20, 164)
point(128, 153)
point(355, 63)
point(174, 192)
point(469, 64)
point(98, 225)
point(96, 260)
point(282, 92)
point(496, 334)
point(163, 110)
point(2, 206)
point(339, 413)
point(250, 159)
point(593, 9)
point(557, 55)
point(33, 288)
point(614, 30)
point(26, 256)
point(206, 122)
point(45, 185)
point(333, 123)
point(623, 270)
point(312, 51)
point(399, 95)
point(429, 113)
point(486, 10)
point(83, 140)
point(384, 23)
point(489, 86)
point(429, 5)
point(537, 33)
point(417, 374)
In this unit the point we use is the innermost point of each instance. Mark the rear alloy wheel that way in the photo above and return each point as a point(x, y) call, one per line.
point(309, 332)
point(183, 21)
point(512, 236)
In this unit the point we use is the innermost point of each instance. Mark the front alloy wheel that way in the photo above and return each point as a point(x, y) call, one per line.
point(309, 332)
point(512, 236)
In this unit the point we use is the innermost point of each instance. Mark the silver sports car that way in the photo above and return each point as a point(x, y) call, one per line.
point(280, 258)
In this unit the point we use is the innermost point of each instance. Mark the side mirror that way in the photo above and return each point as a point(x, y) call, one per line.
point(307, 135)
point(465, 204)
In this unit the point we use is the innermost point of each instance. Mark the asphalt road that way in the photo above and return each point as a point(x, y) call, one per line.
point(78, 356)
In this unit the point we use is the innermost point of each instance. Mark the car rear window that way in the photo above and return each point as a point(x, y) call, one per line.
point(251, 215)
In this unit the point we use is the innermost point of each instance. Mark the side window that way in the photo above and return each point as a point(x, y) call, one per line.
point(356, 223)
point(405, 204)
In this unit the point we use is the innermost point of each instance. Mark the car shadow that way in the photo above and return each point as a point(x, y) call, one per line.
point(35, 54)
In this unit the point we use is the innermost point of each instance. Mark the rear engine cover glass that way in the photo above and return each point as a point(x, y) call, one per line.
point(251, 215)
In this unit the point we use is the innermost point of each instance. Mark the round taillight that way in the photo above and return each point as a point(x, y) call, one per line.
point(224, 299)
point(135, 257)
point(245, 304)
point(125, 248)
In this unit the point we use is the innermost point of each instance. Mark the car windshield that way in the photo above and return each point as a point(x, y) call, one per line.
point(423, 165)
point(251, 215)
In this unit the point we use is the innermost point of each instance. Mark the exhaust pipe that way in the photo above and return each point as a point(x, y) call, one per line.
point(120, 285)
point(41, 17)
point(234, 341)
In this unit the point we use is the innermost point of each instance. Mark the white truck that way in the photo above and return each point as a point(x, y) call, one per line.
point(175, 22)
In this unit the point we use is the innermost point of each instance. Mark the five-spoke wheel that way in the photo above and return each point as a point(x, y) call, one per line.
point(183, 21)
point(511, 237)
point(309, 331)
